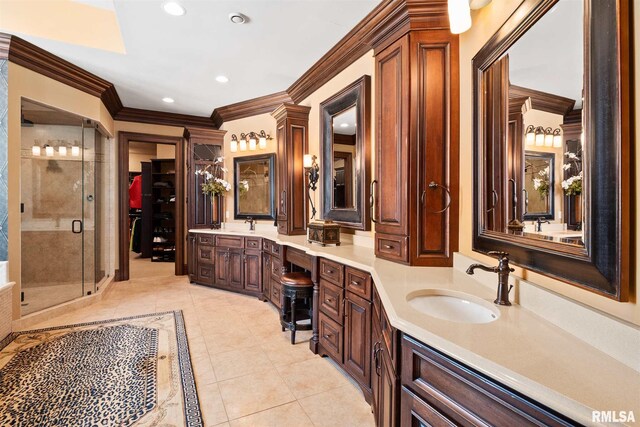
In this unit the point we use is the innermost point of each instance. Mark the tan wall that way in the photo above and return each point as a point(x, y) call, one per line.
point(28, 84)
point(485, 23)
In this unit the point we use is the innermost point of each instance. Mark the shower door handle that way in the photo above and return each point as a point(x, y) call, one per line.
point(73, 226)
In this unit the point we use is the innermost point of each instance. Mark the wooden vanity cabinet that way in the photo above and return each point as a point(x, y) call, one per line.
point(275, 272)
point(439, 390)
point(266, 276)
point(344, 319)
point(416, 187)
point(192, 265)
point(292, 123)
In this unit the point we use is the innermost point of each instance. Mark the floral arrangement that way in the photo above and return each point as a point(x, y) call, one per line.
point(572, 186)
point(214, 182)
point(243, 187)
point(541, 184)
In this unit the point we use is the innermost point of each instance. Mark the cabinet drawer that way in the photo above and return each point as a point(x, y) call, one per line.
point(332, 271)
point(358, 282)
point(330, 300)
point(205, 254)
point(276, 268)
point(466, 396)
point(415, 411)
point(392, 247)
point(204, 239)
point(230, 241)
point(282, 227)
point(205, 274)
point(276, 290)
point(252, 243)
point(266, 245)
point(330, 336)
point(275, 250)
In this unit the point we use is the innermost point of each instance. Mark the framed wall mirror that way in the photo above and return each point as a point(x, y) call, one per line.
point(539, 185)
point(551, 142)
point(344, 155)
point(254, 187)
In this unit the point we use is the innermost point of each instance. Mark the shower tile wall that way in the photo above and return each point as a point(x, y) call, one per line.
point(4, 142)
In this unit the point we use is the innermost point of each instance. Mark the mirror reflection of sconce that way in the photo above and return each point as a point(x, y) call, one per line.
point(539, 136)
point(250, 140)
point(49, 151)
point(313, 170)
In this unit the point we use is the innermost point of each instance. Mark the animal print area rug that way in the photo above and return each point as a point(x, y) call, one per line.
point(122, 372)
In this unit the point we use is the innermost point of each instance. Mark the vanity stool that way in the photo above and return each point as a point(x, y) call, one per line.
point(297, 297)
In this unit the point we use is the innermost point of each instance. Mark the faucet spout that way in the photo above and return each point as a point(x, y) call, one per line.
point(473, 267)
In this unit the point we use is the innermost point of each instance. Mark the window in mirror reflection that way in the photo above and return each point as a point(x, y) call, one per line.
point(543, 73)
point(344, 152)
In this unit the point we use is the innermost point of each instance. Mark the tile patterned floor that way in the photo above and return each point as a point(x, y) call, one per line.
point(247, 372)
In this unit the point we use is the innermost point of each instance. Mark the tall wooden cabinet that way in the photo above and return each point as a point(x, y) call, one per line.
point(417, 126)
point(292, 123)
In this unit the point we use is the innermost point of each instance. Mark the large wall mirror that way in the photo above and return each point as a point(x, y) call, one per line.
point(551, 142)
point(254, 187)
point(344, 155)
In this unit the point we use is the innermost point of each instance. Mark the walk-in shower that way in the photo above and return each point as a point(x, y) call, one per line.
point(64, 208)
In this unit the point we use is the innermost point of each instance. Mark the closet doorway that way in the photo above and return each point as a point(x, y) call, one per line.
point(151, 205)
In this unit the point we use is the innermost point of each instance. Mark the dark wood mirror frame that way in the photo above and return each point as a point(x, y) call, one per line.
point(550, 159)
point(358, 94)
point(271, 158)
point(603, 265)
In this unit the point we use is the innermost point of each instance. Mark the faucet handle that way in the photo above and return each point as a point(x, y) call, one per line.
point(501, 255)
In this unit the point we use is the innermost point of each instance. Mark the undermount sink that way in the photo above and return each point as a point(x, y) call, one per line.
point(453, 306)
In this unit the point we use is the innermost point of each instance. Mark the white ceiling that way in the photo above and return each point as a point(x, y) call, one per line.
point(179, 57)
point(549, 57)
point(347, 118)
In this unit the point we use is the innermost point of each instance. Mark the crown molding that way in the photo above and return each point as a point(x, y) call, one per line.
point(138, 115)
point(543, 101)
point(204, 135)
point(290, 110)
point(248, 108)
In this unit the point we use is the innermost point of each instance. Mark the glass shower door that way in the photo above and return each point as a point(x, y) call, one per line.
point(52, 200)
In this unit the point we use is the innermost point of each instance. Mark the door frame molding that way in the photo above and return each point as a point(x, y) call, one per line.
point(124, 138)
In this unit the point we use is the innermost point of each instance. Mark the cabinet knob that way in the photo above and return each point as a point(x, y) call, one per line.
point(355, 283)
point(387, 246)
point(327, 336)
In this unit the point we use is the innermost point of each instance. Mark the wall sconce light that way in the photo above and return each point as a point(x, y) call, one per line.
point(75, 151)
point(313, 170)
point(36, 151)
point(48, 150)
point(543, 137)
point(460, 13)
point(252, 140)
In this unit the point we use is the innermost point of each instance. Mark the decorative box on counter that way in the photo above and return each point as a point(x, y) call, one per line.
point(324, 232)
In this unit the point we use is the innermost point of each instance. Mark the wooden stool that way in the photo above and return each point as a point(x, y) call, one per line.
point(295, 287)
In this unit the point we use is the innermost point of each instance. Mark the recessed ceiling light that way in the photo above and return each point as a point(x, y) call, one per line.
point(168, 100)
point(222, 79)
point(344, 125)
point(237, 18)
point(173, 8)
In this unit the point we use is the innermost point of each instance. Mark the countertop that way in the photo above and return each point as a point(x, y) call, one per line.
point(520, 349)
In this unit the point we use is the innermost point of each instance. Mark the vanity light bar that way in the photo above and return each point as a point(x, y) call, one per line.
point(539, 136)
point(252, 140)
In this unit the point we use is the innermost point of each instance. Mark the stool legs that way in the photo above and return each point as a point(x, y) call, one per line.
point(293, 320)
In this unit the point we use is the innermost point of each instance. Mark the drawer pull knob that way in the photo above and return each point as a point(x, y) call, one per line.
point(330, 299)
point(329, 271)
point(355, 283)
point(327, 336)
point(387, 246)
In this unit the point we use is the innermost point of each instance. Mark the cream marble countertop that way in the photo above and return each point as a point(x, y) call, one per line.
point(520, 349)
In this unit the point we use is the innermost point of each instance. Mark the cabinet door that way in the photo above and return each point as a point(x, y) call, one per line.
point(357, 338)
point(266, 276)
point(388, 396)
point(235, 270)
point(392, 157)
point(436, 225)
point(276, 289)
point(222, 263)
point(252, 271)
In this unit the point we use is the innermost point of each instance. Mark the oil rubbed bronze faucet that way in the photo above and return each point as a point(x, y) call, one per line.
point(252, 223)
point(503, 271)
point(538, 223)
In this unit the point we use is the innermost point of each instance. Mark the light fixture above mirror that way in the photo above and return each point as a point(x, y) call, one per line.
point(250, 141)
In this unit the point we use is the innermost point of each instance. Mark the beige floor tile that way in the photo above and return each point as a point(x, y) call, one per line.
point(236, 363)
point(231, 340)
point(344, 406)
point(289, 415)
point(253, 393)
point(213, 411)
point(203, 370)
point(280, 351)
point(311, 377)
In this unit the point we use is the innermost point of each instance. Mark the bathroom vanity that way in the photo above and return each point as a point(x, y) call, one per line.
point(514, 369)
